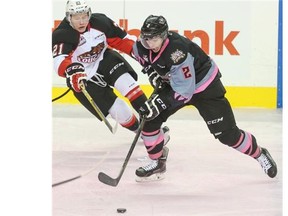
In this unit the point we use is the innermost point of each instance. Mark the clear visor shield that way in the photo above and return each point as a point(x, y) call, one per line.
point(152, 43)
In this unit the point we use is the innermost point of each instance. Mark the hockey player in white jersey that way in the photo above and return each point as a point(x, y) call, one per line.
point(82, 48)
point(188, 76)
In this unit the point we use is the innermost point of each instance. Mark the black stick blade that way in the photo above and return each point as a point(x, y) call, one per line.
point(114, 182)
point(107, 179)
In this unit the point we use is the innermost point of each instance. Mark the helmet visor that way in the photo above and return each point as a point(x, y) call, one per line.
point(151, 43)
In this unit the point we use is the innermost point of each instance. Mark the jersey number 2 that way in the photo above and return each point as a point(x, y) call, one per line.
point(186, 72)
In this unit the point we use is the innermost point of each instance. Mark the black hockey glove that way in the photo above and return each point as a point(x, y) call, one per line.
point(152, 107)
point(154, 78)
point(75, 72)
point(147, 69)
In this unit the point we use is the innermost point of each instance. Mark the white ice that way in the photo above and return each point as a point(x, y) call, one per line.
point(203, 178)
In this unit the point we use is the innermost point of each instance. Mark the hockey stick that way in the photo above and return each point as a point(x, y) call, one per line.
point(81, 175)
point(97, 109)
point(104, 178)
point(60, 96)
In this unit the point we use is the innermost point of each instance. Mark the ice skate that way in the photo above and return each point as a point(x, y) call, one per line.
point(155, 170)
point(267, 163)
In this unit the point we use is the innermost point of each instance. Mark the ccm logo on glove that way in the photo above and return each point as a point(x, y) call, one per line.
point(161, 103)
point(75, 73)
point(152, 107)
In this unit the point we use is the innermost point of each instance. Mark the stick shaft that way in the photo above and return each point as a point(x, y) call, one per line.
point(96, 108)
point(104, 178)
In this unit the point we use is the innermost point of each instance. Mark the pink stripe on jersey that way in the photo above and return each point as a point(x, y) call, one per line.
point(140, 60)
point(207, 83)
point(160, 53)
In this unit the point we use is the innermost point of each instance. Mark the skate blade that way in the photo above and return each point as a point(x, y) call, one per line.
point(154, 177)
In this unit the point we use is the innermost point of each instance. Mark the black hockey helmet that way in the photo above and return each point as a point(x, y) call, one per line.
point(154, 26)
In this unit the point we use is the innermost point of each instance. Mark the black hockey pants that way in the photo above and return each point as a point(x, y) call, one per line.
point(212, 105)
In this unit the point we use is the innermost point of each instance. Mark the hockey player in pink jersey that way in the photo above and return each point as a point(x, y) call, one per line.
point(187, 76)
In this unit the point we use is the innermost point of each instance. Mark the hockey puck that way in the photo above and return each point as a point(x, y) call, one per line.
point(121, 210)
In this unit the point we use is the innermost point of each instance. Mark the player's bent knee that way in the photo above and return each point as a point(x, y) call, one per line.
point(229, 137)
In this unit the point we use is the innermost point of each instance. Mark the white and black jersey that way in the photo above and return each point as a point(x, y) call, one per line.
point(88, 48)
point(105, 67)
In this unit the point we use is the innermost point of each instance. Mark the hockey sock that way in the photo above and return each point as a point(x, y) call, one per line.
point(154, 142)
point(247, 144)
point(132, 124)
point(136, 97)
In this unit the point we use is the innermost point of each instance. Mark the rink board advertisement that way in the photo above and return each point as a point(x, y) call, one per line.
point(241, 36)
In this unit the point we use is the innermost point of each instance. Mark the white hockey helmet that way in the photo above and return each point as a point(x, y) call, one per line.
point(75, 7)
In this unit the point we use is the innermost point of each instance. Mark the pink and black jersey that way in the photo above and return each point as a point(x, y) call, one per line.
point(182, 63)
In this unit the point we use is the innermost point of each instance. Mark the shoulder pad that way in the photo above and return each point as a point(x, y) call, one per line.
point(65, 35)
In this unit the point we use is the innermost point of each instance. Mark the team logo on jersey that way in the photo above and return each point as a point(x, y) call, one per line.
point(82, 40)
point(177, 55)
point(92, 55)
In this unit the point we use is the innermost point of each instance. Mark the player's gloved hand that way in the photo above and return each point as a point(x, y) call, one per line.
point(154, 78)
point(147, 69)
point(152, 107)
point(75, 72)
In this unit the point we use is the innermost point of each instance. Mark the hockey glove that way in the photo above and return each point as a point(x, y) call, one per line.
point(75, 72)
point(154, 78)
point(147, 69)
point(152, 107)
